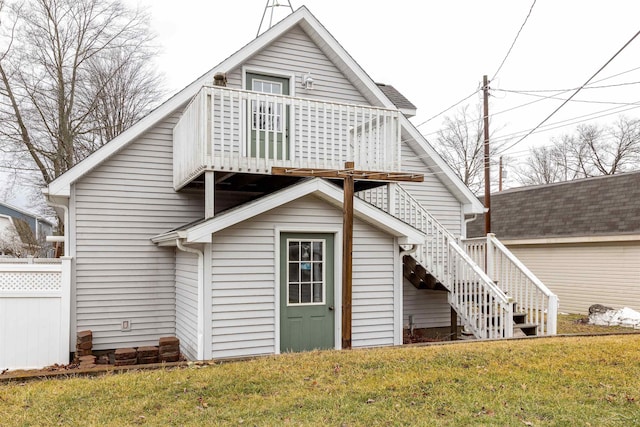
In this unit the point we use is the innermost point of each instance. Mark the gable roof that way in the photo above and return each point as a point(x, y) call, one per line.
point(201, 231)
point(600, 206)
point(61, 187)
point(316, 31)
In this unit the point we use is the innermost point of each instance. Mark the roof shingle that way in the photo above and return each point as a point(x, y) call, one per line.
point(606, 205)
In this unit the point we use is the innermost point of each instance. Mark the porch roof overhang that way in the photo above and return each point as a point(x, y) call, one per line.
point(202, 231)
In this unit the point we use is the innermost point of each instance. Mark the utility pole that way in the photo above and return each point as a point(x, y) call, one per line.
point(487, 165)
point(500, 175)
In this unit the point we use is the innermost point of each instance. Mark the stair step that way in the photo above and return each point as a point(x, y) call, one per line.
point(529, 329)
point(419, 276)
point(519, 317)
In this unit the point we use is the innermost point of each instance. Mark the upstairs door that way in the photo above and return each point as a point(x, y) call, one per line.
point(269, 118)
point(307, 315)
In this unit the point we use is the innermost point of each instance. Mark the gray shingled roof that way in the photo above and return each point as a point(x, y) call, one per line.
point(606, 205)
point(398, 99)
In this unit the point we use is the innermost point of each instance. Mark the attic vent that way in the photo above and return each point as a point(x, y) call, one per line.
point(220, 79)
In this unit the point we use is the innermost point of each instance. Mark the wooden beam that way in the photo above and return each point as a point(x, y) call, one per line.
point(347, 258)
point(356, 174)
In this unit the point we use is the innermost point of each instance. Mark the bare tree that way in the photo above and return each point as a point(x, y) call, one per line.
point(592, 151)
point(461, 144)
point(62, 70)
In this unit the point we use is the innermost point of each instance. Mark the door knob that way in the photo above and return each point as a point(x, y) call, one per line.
point(330, 308)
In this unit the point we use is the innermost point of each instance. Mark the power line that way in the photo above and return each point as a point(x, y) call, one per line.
point(514, 40)
point(574, 93)
point(449, 108)
point(572, 121)
point(590, 87)
point(554, 96)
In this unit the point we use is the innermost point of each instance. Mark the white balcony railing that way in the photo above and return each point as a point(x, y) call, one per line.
point(227, 129)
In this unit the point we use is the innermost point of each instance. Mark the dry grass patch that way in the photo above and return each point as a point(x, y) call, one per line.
point(556, 381)
point(575, 324)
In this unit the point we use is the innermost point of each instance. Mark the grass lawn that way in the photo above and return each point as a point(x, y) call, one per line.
point(558, 381)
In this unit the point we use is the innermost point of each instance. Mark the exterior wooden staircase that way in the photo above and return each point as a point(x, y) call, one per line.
point(470, 271)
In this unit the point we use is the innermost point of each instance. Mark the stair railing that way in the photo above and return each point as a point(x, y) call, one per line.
point(481, 305)
point(531, 295)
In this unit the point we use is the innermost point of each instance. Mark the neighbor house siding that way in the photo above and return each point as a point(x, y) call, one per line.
point(119, 273)
point(244, 279)
point(187, 303)
point(586, 274)
point(430, 309)
point(295, 53)
point(432, 193)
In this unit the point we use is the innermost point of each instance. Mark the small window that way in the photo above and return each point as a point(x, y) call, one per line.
point(305, 272)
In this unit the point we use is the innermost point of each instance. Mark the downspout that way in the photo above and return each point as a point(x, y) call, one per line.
point(200, 294)
point(65, 237)
point(466, 222)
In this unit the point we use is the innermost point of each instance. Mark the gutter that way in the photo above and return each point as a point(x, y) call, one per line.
point(65, 237)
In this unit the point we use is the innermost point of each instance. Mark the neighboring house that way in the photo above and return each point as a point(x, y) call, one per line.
point(181, 226)
point(582, 238)
point(22, 233)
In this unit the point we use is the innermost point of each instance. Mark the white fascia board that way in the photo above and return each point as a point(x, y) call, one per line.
point(169, 239)
point(572, 240)
point(470, 202)
point(202, 233)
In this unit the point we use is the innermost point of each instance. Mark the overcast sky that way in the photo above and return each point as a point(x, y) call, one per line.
point(437, 52)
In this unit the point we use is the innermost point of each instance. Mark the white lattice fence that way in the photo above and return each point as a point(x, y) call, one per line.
point(34, 313)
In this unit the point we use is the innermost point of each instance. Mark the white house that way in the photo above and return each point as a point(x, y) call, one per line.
point(219, 216)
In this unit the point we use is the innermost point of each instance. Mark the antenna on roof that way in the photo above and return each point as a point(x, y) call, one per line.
point(272, 4)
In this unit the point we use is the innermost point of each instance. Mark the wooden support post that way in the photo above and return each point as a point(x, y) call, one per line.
point(454, 325)
point(347, 257)
point(209, 192)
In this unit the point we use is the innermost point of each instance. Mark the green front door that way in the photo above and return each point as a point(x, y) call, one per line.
point(306, 292)
point(269, 118)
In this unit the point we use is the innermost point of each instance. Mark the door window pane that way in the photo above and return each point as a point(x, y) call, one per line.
point(294, 293)
point(317, 292)
point(305, 272)
point(294, 251)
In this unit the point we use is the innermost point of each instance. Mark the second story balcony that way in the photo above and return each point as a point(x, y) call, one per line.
point(234, 130)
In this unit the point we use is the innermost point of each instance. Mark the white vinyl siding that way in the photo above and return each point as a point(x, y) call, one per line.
point(187, 303)
point(119, 273)
point(296, 53)
point(432, 194)
point(430, 309)
point(586, 274)
point(244, 275)
point(373, 297)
